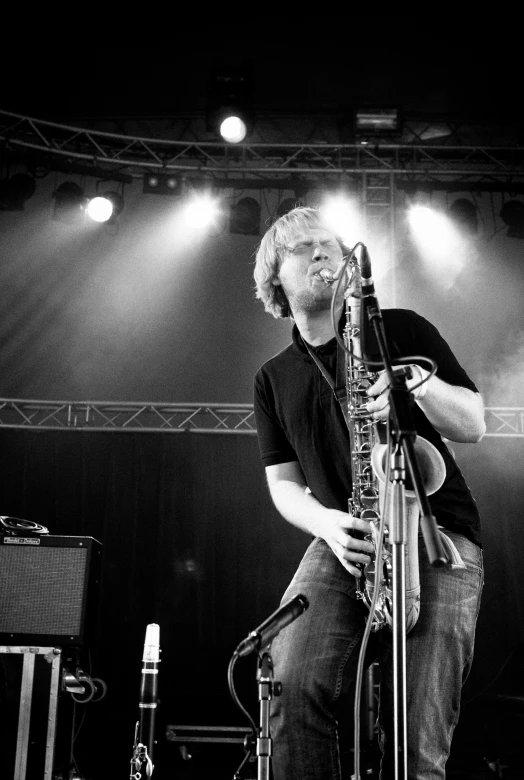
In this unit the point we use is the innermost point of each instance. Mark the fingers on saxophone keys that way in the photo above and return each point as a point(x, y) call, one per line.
point(358, 552)
point(353, 565)
point(358, 524)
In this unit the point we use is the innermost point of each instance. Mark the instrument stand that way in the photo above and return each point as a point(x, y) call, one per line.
point(266, 690)
point(397, 536)
point(402, 434)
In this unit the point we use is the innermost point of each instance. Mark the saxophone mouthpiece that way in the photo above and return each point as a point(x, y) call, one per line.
point(327, 276)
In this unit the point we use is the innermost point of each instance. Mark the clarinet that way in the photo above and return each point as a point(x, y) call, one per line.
point(145, 727)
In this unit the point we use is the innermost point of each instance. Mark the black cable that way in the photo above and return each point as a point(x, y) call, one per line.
point(373, 363)
point(249, 743)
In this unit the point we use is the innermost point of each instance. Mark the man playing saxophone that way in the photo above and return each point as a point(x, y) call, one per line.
point(305, 449)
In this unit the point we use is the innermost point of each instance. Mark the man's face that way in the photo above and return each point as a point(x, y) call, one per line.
point(306, 254)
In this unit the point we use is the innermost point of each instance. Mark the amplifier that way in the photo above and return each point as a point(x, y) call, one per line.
point(48, 589)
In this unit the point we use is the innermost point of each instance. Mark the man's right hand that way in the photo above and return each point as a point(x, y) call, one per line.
point(349, 549)
point(296, 503)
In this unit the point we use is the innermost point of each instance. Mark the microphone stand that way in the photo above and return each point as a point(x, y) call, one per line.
point(403, 434)
point(266, 689)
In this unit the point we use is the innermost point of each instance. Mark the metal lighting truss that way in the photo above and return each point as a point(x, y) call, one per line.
point(463, 160)
point(301, 153)
point(98, 416)
point(277, 161)
point(177, 417)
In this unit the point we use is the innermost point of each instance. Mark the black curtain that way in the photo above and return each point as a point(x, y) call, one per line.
point(191, 541)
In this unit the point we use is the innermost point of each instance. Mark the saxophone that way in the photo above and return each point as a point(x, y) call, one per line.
point(370, 499)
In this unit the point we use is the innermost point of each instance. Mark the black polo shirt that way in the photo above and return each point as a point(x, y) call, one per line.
point(299, 419)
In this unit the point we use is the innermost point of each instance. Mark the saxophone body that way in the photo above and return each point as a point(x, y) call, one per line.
point(369, 499)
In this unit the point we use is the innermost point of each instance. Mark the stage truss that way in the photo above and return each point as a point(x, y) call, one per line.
point(503, 422)
point(465, 152)
point(469, 157)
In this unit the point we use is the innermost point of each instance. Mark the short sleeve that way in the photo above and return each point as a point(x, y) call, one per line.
point(273, 442)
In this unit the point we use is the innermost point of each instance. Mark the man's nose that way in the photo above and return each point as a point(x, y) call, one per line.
point(318, 250)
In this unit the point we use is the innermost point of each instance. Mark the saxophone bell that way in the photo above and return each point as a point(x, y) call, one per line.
point(433, 472)
point(431, 466)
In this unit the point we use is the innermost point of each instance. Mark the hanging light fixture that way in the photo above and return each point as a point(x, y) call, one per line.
point(376, 122)
point(230, 105)
point(105, 207)
point(160, 183)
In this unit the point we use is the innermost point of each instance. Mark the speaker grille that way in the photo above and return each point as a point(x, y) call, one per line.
point(42, 589)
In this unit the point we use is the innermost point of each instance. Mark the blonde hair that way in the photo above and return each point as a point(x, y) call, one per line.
point(270, 255)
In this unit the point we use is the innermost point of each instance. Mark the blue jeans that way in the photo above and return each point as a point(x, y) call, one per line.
point(315, 659)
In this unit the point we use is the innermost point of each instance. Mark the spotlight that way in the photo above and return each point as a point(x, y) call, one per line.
point(105, 207)
point(465, 215)
point(245, 217)
point(424, 219)
point(342, 213)
point(233, 129)
point(512, 214)
point(229, 109)
point(162, 184)
point(201, 211)
point(70, 202)
point(15, 191)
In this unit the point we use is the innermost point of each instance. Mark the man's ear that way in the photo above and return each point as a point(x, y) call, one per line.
point(276, 281)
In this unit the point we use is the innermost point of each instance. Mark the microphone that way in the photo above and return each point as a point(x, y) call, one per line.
point(369, 345)
point(365, 269)
point(267, 630)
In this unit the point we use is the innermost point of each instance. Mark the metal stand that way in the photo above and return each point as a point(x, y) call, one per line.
point(53, 656)
point(266, 690)
point(403, 434)
point(397, 531)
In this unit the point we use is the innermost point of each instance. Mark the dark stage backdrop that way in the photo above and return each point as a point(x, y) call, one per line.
point(191, 541)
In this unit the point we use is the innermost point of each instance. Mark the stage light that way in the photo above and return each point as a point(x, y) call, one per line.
point(442, 246)
point(464, 214)
point(201, 211)
point(230, 111)
point(69, 203)
point(512, 214)
point(162, 184)
point(100, 209)
point(105, 207)
point(244, 217)
point(343, 215)
point(15, 191)
point(233, 129)
point(376, 121)
point(423, 219)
